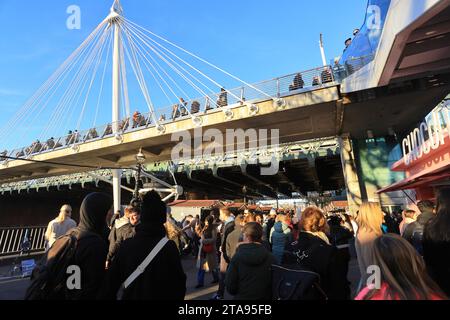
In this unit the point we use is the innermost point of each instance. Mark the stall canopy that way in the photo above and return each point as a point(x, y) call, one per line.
point(426, 157)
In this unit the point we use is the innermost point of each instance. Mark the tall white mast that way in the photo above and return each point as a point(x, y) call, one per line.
point(322, 51)
point(116, 12)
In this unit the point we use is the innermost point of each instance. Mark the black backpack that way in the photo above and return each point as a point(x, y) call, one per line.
point(49, 278)
point(417, 238)
point(296, 284)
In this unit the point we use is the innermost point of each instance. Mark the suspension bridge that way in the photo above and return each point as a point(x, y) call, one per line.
point(123, 65)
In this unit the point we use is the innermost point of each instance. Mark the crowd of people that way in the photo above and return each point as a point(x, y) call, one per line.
point(240, 249)
point(108, 249)
point(326, 76)
point(181, 109)
point(137, 120)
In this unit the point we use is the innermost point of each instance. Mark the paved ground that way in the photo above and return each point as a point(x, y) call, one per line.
point(14, 289)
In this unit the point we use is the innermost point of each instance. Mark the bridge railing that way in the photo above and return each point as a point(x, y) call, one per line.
point(275, 88)
point(14, 241)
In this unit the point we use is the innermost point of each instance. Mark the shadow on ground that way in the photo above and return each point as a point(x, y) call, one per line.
point(14, 289)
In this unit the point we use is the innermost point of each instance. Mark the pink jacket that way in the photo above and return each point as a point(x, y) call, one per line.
point(382, 294)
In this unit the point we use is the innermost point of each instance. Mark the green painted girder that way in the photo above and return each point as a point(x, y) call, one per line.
point(307, 150)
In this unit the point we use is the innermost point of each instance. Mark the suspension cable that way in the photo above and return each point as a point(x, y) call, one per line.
point(198, 58)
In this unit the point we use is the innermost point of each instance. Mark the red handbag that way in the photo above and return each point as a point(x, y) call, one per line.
point(208, 248)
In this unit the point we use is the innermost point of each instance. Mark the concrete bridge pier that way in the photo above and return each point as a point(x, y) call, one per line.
point(366, 165)
point(349, 167)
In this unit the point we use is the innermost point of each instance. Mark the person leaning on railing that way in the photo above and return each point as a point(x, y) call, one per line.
point(123, 126)
point(175, 112)
point(73, 137)
point(137, 119)
point(297, 83)
point(50, 143)
point(348, 42)
point(34, 148)
point(208, 104)
point(20, 153)
point(195, 107)
point(223, 98)
point(76, 135)
point(338, 70)
point(326, 76)
point(108, 131)
point(69, 137)
point(92, 134)
point(316, 81)
point(183, 107)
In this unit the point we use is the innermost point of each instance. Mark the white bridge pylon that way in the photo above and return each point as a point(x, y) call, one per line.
point(144, 69)
point(116, 11)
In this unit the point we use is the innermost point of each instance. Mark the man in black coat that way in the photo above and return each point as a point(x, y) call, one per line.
point(164, 278)
point(123, 229)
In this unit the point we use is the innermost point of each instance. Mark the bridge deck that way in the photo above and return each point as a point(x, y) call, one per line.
point(306, 115)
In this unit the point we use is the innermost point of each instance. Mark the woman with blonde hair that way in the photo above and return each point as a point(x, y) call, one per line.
point(59, 226)
point(403, 273)
point(369, 220)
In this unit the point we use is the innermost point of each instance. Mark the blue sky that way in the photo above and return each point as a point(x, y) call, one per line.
point(252, 39)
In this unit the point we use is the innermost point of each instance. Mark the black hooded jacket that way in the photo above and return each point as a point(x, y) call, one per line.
point(418, 225)
point(312, 253)
point(436, 252)
point(90, 254)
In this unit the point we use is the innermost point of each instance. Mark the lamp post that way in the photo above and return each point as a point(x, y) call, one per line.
point(244, 191)
point(140, 159)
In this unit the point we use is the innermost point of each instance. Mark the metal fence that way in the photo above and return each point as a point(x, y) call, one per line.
point(14, 241)
point(275, 88)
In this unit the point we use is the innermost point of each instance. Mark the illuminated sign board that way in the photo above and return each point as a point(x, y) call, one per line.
point(429, 135)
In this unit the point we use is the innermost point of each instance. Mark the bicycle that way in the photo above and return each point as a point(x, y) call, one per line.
point(25, 248)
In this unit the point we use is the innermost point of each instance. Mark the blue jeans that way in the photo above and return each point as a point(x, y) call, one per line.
point(201, 276)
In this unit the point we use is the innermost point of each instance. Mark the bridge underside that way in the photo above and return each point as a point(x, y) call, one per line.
point(398, 106)
point(313, 165)
point(299, 173)
point(297, 176)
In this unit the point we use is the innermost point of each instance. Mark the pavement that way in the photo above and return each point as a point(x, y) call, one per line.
point(15, 288)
